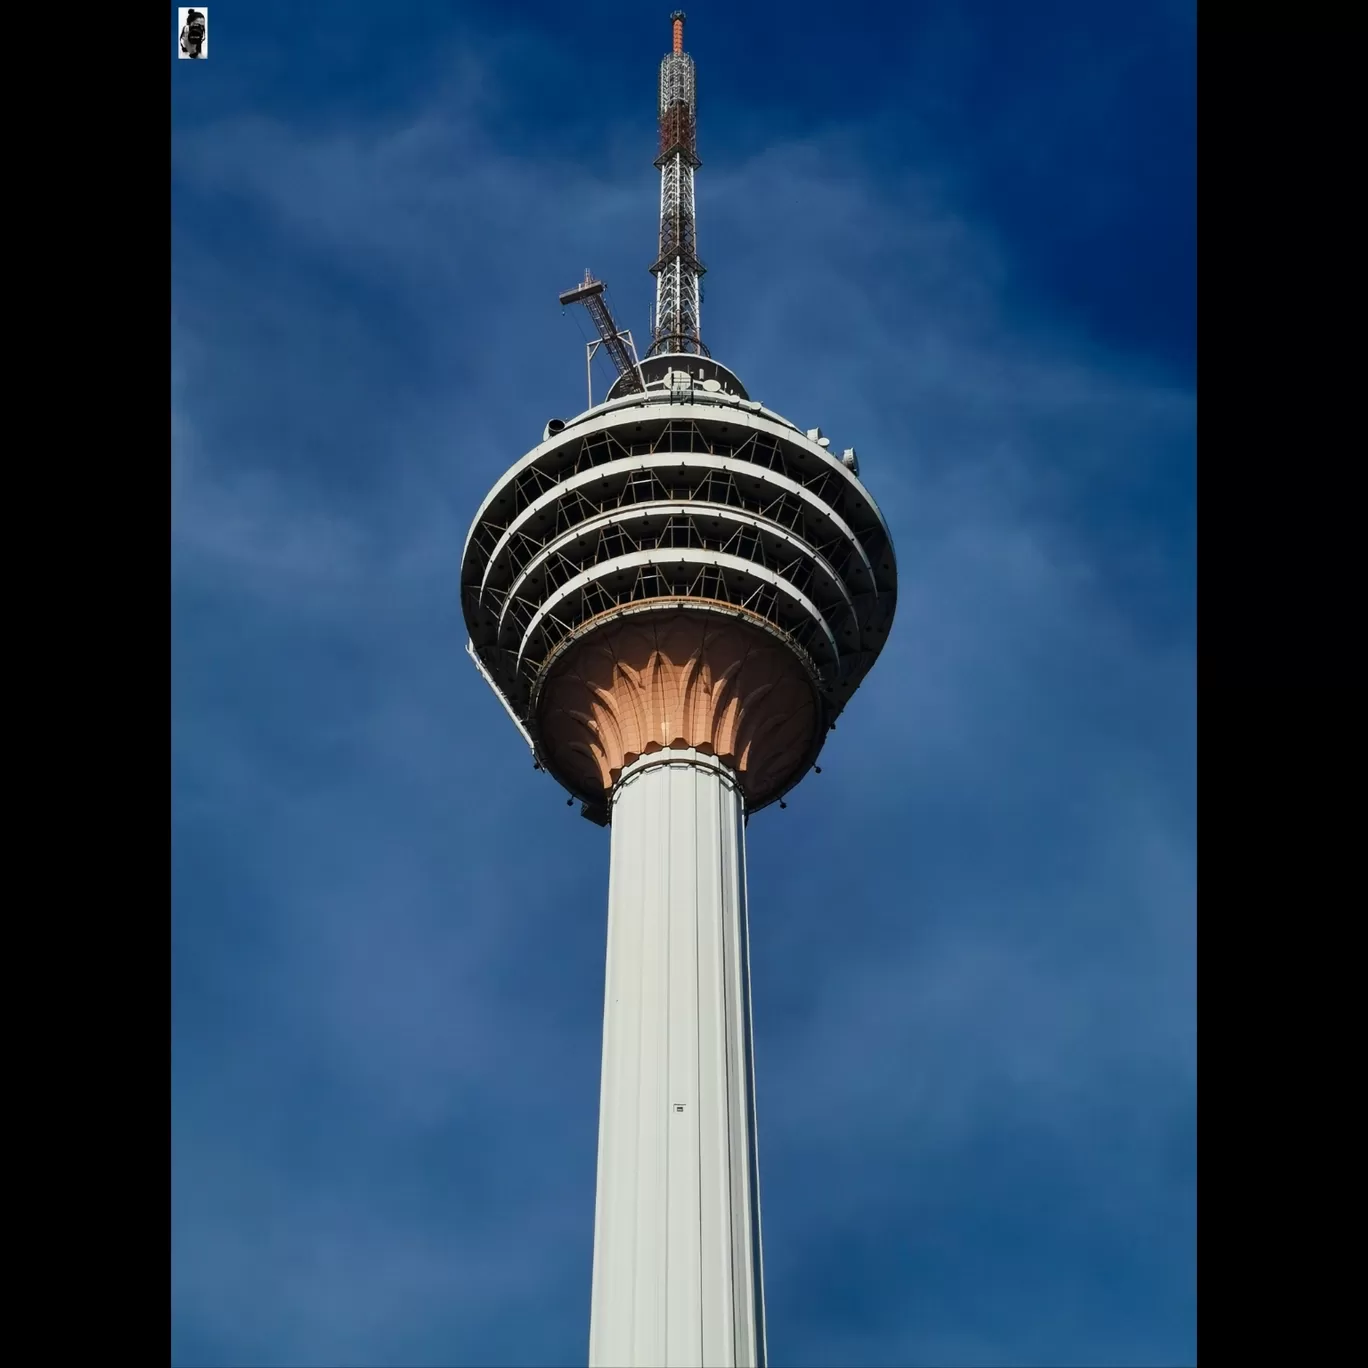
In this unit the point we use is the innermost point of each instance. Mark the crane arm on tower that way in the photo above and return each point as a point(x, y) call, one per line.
point(617, 343)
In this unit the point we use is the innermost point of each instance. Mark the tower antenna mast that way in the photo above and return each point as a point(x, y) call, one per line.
point(677, 269)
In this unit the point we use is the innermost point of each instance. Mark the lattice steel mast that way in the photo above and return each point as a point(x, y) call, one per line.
point(678, 271)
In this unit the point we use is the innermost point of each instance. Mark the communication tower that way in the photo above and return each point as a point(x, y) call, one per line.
point(674, 595)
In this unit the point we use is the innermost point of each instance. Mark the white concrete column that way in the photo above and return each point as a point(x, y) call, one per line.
point(677, 1267)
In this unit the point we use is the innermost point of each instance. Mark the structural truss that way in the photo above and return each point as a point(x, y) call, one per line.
point(677, 269)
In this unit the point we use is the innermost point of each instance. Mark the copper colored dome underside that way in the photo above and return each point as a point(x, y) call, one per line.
point(679, 678)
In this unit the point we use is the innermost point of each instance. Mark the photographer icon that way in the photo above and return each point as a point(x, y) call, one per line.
point(193, 33)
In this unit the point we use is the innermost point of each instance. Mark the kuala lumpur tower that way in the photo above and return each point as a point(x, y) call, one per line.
point(674, 595)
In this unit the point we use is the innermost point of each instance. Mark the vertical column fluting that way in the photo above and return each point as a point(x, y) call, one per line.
point(677, 1276)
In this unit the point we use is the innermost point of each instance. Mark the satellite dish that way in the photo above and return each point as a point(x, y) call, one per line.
point(712, 386)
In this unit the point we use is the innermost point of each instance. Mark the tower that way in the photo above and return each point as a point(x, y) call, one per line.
point(674, 595)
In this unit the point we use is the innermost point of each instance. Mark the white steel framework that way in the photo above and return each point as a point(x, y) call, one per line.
point(679, 290)
point(677, 324)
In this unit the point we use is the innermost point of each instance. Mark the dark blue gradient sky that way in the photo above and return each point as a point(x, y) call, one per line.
point(959, 237)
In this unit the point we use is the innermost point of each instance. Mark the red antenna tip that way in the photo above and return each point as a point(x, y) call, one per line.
point(677, 19)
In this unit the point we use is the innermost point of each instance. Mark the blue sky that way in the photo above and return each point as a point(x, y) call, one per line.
point(957, 236)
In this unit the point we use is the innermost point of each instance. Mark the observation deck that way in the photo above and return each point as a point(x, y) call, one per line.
point(678, 567)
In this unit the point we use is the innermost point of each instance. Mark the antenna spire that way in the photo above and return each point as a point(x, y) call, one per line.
point(677, 269)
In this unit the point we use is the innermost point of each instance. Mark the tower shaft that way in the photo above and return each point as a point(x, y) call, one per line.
point(677, 1279)
point(677, 269)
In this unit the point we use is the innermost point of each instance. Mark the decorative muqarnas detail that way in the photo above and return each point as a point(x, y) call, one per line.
point(681, 678)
